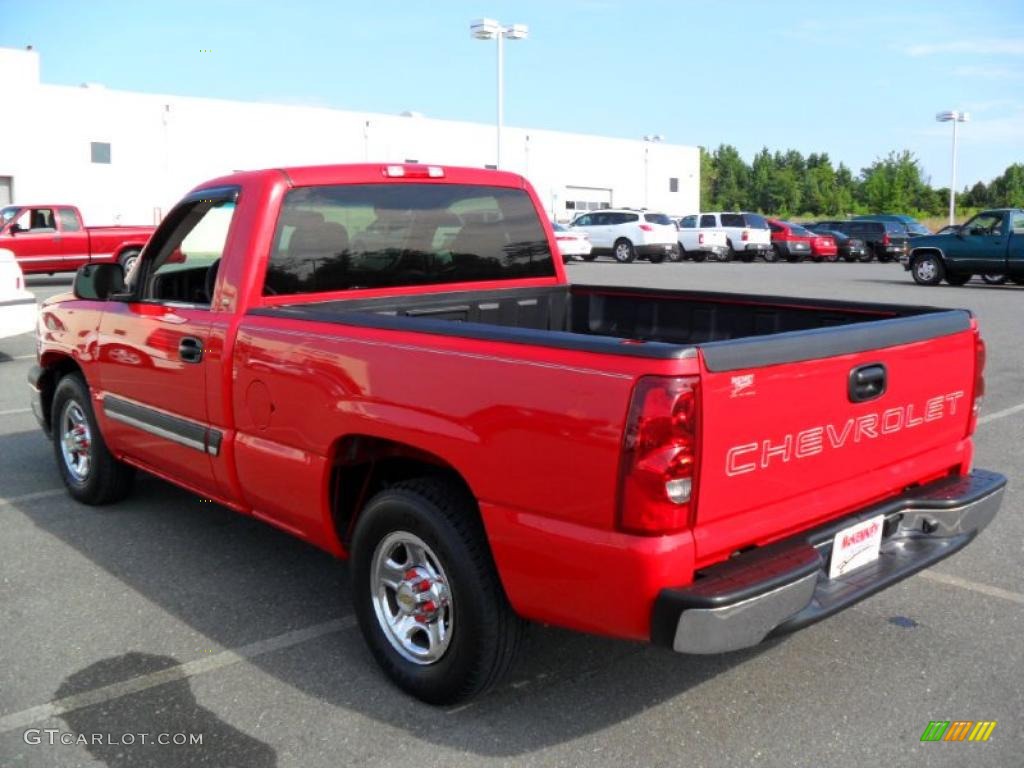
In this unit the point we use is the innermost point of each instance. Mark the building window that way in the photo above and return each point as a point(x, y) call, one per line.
point(570, 205)
point(411, 161)
point(491, 167)
point(100, 151)
point(673, 184)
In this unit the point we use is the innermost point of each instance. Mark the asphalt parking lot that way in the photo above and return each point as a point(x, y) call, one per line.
point(165, 614)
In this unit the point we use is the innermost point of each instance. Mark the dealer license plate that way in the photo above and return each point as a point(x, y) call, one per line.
point(856, 546)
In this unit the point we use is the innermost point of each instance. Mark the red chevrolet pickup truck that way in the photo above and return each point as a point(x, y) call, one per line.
point(387, 362)
point(52, 238)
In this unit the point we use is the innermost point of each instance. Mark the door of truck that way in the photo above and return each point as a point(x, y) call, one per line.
point(1015, 246)
point(155, 348)
point(33, 237)
point(982, 243)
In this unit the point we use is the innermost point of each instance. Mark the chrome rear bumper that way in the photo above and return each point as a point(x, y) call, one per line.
point(785, 586)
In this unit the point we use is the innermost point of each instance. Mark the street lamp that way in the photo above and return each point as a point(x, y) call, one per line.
point(954, 117)
point(489, 29)
point(654, 138)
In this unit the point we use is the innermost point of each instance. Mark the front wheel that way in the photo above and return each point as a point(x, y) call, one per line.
point(928, 270)
point(427, 594)
point(699, 256)
point(624, 251)
point(678, 253)
point(90, 472)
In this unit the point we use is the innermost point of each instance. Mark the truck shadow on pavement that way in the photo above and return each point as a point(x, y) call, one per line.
point(155, 727)
point(237, 581)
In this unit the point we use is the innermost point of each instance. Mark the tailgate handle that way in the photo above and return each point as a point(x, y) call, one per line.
point(867, 382)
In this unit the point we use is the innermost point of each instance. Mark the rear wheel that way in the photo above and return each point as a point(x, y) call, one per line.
point(90, 472)
point(678, 254)
point(959, 279)
point(928, 269)
point(699, 256)
point(865, 257)
point(589, 256)
point(730, 252)
point(427, 594)
point(127, 259)
point(624, 251)
point(994, 278)
point(772, 255)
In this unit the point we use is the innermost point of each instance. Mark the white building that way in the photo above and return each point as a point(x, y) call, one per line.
point(126, 157)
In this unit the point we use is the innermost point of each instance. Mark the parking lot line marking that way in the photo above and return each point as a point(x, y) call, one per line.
point(223, 659)
point(32, 496)
point(973, 586)
point(13, 411)
point(1001, 414)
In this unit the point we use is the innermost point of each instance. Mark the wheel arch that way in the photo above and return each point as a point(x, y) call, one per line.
point(55, 367)
point(364, 464)
point(916, 253)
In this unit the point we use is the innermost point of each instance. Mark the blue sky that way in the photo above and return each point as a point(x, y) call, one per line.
point(855, 80)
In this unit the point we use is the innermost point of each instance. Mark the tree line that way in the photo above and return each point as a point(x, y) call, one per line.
point(789, 184)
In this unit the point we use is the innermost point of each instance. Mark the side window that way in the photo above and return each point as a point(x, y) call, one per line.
point(185, 266)
point(1017, 222)
point(627, 218)
point(585, 220)
point(708, 220)
point(69, 220)
point(42, 220)
point(688, 222)
point(732, 220)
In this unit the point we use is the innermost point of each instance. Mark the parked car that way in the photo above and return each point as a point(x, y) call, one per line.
point(990, 244)
point(571, 243)
point(885, 240)
point(746, 234)
point(489, 443)
point(627, 235)
point(700, 238)
point(913, 227)
point(52, 238)
point(17, 305)
point(790, 241)
point(849, 248)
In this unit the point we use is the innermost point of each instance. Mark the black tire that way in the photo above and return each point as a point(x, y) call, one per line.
point(793, 258)
point(730, 252)
point(848, 257)
point(104, 479)
point(884, 258)
point(772, 255)
point(927, 269)
point(128, 258)
point(699, 256)
point(589, 256)
point(484, 631)
point(1018, 280)
point(623, 251)
point(678, 254)
point(746, 256)
point(866, 256)
point(958, 279)
point(657, 258)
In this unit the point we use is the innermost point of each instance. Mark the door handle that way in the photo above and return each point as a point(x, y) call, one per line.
point(867, 382)
point(190, 349)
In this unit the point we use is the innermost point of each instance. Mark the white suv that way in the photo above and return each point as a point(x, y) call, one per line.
point(747, 235)
point(627, 234)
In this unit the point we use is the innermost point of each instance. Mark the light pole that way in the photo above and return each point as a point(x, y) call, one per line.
point(489, 29)
point(954, 117)
point(653, 138)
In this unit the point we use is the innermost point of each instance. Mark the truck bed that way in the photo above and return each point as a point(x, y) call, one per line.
point(731, 331)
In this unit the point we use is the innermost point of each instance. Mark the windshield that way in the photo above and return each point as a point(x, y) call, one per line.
point(8, 213)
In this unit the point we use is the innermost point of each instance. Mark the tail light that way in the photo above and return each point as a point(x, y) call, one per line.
point(658, 473)
point(700, 238)
point(886, 240)
point(745, 236)
point(646, 227)
point(979, 381)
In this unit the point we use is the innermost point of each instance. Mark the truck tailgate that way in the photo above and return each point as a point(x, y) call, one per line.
point(794, 431)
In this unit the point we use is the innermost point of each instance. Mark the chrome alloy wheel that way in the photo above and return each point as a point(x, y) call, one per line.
point(925, 269)
point(75, 441)
point(411, 598)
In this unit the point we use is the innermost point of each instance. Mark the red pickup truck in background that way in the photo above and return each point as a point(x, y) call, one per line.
point(387, 362)
point(52, 238)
